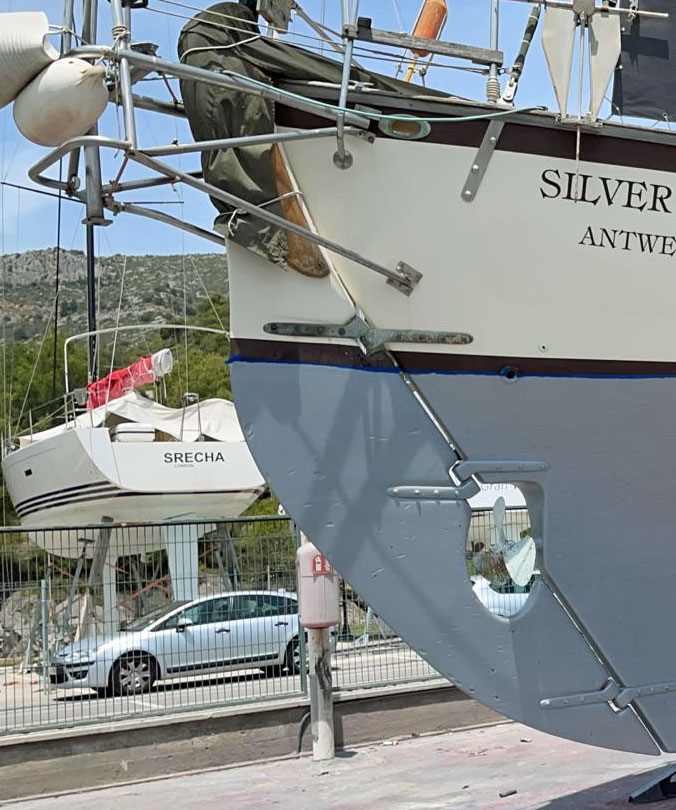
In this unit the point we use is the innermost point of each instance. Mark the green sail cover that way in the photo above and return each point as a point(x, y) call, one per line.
point(254, 173)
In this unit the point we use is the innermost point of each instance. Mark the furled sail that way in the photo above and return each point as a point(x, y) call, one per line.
point(258, 173)
point(144, 371)
point(645, 79)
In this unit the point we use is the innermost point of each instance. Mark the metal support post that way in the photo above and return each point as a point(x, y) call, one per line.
point(111, 616)
point(493, 90)
point(95, 579)
point(93, 365)
point(44, 605)
point(72, 592)
point(121, 37)
point(342, 158)
point(68, 26)
point(92, 158)
point(321, 694)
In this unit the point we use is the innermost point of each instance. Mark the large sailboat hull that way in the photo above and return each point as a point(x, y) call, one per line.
point(572, 367)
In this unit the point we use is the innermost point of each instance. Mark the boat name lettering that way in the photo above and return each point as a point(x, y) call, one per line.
point(608, 191)
point(197, 457)
point(658, 244)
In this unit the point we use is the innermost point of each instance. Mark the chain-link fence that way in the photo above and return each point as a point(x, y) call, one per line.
point(108, 622)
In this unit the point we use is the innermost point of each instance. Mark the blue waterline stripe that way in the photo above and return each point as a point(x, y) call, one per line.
point(238, 358)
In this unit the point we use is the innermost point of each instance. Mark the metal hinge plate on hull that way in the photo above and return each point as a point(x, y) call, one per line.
point(481, 161)
point(370, 339)
point(465, 471)
point(619, 696)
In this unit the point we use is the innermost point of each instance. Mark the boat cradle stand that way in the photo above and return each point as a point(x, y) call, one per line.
point(660, 789)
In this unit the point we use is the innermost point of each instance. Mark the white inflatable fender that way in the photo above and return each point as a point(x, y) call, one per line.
point(64, 101)
point(162, 363)
point(24, 51)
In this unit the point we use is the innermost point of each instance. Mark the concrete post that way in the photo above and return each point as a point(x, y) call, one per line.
point(181, 545)
point(321, 694)
point(111, 618)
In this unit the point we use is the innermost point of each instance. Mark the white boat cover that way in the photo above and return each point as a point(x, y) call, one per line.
point(24, 51)
point(215, 417)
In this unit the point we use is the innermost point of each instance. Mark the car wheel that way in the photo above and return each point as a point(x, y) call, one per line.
point(133, 673)
point(103, 692)
point(292, 657)
point(291, 663)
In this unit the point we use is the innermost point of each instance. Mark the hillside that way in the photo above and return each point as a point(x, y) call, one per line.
point(153, 288)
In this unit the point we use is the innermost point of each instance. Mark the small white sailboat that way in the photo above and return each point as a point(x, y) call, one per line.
point(132, 459)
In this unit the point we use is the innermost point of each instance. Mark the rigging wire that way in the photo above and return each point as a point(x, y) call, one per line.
point(115, 333)
point(227, 26)
point(130, 300)
point(362, 51)
point(397, 13)
point(35, 364)
point(208, 295)
point(222, 15)
point(374, 116)
point(39, 191)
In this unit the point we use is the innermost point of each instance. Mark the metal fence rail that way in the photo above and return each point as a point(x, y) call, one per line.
point(112, 621)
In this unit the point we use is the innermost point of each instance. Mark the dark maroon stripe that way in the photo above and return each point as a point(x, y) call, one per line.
point(541, 136)
point(277, 351)
point(426, 362)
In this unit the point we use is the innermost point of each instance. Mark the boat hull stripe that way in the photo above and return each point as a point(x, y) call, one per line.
point(46, 495)
point(319, 354)
point(538, 137)
point(115, 493)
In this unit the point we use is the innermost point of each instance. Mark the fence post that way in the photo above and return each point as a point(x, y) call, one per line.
point(45, 635)
point(302, 646)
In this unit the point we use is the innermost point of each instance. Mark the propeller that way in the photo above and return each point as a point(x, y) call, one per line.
point(511, 559)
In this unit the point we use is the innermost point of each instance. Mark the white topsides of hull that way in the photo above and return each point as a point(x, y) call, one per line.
point(524, 269)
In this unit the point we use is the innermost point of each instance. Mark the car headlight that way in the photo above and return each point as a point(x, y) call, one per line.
point(83, 655)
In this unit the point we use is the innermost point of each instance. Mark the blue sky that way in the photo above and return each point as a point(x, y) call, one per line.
point(28, 220)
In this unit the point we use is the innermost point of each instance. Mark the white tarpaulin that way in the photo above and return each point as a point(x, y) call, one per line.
point(214, 418)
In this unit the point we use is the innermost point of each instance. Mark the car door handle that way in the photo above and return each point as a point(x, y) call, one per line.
point(279, 624)
point(223, 630)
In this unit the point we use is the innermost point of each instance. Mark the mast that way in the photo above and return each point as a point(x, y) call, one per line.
point(91, 304)
point(94, 216)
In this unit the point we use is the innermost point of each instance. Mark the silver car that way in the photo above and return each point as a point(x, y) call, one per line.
point(227, 631)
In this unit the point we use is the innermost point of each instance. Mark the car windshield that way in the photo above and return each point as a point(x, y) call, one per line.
point(145, 621)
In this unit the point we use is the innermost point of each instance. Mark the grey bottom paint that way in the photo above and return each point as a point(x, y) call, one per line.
point(331, 441)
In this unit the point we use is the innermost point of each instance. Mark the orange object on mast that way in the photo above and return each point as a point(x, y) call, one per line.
point(430, 22)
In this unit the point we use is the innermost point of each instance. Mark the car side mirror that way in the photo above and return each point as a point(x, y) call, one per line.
point(181, 624)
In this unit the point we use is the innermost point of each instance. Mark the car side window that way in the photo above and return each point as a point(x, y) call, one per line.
point(245, 606)
point(216, 610)
point(290, 606)
point(191, 613)
point(269, 605)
